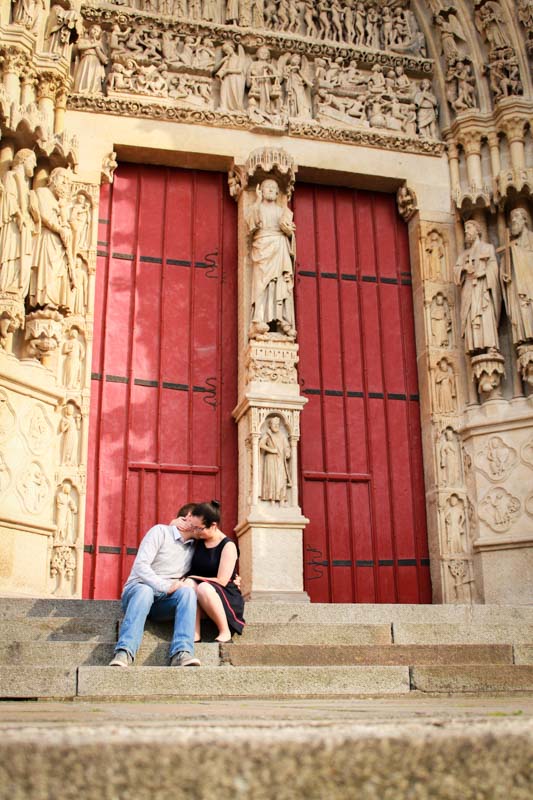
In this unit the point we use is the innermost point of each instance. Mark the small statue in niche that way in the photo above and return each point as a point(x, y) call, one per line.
point(276, 455)
point(89, 73)
point(454, 520)
point(69, 428)
point(28, 13)
point(232, 12)
point(445, 389)
point(232, 76)
point(52, 276)
point(80, 222)
point(272, 250)
point(436, 263)
point(462, 582)
point(79, 304)
point(441, 321)
point(18, 225)
point(517, 276)
point(74, 353)
point(476, 272)
point(66, 508)
point(450, 458)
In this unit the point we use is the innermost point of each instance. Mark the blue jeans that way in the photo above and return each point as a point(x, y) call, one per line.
point(140, 601)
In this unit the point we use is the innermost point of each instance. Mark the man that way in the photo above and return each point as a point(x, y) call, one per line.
point(155, 589)
point(517, 275)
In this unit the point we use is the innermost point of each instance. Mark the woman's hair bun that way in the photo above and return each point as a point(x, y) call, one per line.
point(215, 503)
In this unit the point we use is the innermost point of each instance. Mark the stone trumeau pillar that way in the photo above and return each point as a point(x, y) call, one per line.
point(270, 526)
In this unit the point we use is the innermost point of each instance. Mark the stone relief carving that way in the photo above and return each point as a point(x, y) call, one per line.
point(5, 475)
point(74, 352)
point(33, 488)
point(275, 363)
point(440, 321)
point(66, 510)
point(496, 460)
point(8, 418)
point(526, 452)
point(271, 258)
point(449, 458)
point(499, 509)
point(445, 387)
point(528, 504)
point(454, 516)
point(37, 430)
point(525, 15)
point(276, 453)
point(89, 70)
point(69, 428)
point(43, 334)
point(61, 29)
point(406, 201)
point(463, 581)
point(435, 261)
point(28, 13)
point(503, 66)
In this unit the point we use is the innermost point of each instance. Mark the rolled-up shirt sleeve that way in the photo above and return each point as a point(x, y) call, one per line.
point(148, 549)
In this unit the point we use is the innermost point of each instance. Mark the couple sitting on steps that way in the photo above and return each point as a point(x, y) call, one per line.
point(181, 571)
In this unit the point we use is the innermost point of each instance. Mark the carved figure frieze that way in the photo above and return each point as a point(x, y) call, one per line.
point(275, 468)
point(271, 229)
point(273, 362)
point(499, 509)
point(89, 70)
point(37, 430)
point(33, 488)
point(449, 458)
point(69, 428)
point(496, 460)
point(8, 417)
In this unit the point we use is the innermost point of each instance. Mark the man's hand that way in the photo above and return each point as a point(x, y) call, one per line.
point(177, 584)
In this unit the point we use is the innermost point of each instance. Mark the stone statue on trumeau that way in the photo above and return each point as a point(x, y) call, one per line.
point(455, 521)
point(52, 277)
point(517, 275)
point(89, 72)
point(28, 13)
point(476, 272)
point(441, 321)
point(74, 353)
point(69, 429)
point(271, 255)
point(445, 388)
point(18, 225)
point(450, 458)
point(276, 453)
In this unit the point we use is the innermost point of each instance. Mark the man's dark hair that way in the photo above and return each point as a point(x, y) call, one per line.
point(210, 512)
point(186, 509)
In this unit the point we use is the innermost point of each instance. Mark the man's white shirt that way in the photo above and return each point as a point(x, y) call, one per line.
point(163, 557)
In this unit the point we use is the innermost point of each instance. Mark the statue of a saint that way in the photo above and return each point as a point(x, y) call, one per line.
point(52, 275)
point(66, 509)
point(449, 458)
point(454, 519)
point(232, 76)
point(89, 73)
point(69, 427)
point(476, 272)
point(272, 252)
point(276, 455)
point(74, 353)
point(517, 275)
point(445, 389)
point(441, 321)
point(17, 225)
point(28, 13)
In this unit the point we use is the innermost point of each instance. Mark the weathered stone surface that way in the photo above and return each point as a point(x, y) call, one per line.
point(241, 682)
point(520, 633)
point(75, 654)
point(291, 633)
point(523, 653)
point(57, 628)
point(38, 681)
point(472, 678)
point(348, 613)
point(309, 655)
point(95, 609)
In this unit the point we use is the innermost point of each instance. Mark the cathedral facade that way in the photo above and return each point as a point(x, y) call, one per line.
point(278, 253)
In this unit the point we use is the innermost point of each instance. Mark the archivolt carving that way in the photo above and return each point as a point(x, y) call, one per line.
point(499, 509)
point(496, 460)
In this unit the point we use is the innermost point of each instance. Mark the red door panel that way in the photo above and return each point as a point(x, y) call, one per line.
point(361, 461)
point(164, 362)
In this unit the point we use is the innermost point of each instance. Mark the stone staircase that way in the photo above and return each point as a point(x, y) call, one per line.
point(60, 649)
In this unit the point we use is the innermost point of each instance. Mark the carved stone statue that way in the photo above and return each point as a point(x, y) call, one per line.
point(52, 273)
point(271, 254)
point(17, 225)
point(79, 304)
point(276, 454)
point(460, 86)
point(69, 427)
point(74, 353)
point(517, 275)
point(66, 508)
point(427, 105)
point(90, 70)
point(264, 82)
point(463, 584)
point(476, 272)
point(297, 86)
point(232, 76)
point(441, 321)
point(454, 520)
point(80, 222)
point(28, 13)
point(61, 30)
point(450, 458)
point(436, 265)
point(445, 388)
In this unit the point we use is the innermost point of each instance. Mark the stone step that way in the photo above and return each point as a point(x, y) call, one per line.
point(24, 682)
point(523, 654)
point(487, 678)
point(56, 629)
point(76, 654)
point(28, 607)
point(510, 633)
point(365, 655)
point(227, 682)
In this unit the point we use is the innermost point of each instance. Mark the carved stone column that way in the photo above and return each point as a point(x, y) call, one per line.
point(270, 523)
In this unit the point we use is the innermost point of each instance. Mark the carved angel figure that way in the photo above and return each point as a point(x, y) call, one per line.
point(18, 225)
point(452, 36)
point(232, 76)
point(272, 247)
point(89, 73)
point(491, 23)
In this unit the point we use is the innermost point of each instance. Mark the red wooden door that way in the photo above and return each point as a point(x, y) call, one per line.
point(361, 458)
point(164, 362)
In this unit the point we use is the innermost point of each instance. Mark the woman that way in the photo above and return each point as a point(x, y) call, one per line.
point(213, 569)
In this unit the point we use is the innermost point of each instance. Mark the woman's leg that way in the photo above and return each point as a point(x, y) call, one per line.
point(211, 603)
